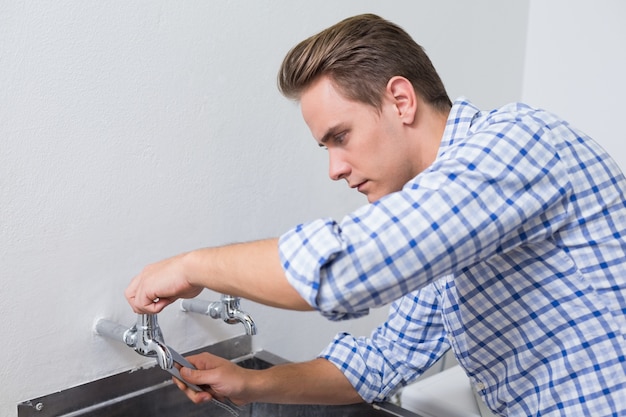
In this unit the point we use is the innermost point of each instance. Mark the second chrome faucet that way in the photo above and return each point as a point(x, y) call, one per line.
point(226, 309)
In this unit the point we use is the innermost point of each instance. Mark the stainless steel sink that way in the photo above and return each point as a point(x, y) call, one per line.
point(150, 392)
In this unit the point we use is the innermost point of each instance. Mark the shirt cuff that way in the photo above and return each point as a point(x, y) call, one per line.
point(345, 352)
point(304, 250)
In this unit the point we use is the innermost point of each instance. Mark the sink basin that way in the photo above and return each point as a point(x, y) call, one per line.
point(169, 401)
point(150, 392)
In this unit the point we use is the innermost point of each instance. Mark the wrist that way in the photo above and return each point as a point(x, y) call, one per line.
point(189, 264)
point(256, 385)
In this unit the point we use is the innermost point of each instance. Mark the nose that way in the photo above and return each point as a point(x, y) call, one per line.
point(338, 167)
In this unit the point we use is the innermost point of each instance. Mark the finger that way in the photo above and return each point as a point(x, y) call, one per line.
point(143, 303)
point(179, 384)
point(199, 397)
point(196, 397)
point(194, 376)
point(206, 361)
point(147, 308)
point(139, 301)
point(131, 293)
point(156, 304)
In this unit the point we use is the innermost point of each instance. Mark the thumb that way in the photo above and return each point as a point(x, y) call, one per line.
point(195, 376)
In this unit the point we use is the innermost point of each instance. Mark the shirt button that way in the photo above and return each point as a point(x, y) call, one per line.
point(480, 386)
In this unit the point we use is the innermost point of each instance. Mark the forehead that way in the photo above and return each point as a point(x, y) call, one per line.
point(324, 107)
point(321, 93)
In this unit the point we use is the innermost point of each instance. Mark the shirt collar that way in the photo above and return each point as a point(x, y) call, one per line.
point(462, 114)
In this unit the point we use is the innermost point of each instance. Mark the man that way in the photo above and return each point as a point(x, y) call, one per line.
point(497, 234)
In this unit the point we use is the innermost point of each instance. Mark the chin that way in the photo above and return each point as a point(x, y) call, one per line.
point(373, 199)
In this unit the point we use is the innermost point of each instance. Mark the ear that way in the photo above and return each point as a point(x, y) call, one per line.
point(401, 92)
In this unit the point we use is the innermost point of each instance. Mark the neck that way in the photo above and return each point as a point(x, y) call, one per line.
point(427, 132)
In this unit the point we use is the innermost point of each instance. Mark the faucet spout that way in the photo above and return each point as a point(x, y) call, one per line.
point(232, 314)
point(227, 309)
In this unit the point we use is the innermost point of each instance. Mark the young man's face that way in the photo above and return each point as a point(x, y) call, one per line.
point(367, 148)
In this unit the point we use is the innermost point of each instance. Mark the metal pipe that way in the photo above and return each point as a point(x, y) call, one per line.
point(226, 309)
point(110, 329)
point(196, 306)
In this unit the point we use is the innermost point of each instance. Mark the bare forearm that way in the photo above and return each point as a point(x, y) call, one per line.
point(251, 270)
point(314, 382)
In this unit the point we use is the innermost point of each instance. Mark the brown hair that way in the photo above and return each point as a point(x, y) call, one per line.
point(360, 55)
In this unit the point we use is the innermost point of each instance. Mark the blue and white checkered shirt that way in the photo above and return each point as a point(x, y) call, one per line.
point(525, 218)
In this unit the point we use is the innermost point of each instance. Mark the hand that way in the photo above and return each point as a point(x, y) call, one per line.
point(314, 382)
point(218, 376)
point(159, 285)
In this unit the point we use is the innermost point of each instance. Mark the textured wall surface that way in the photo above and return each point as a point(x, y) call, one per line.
point(575, 65)
point(133, 131)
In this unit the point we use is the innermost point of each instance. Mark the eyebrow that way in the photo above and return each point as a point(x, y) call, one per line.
point(329, 134)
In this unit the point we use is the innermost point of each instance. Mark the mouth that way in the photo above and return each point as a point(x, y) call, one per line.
point(359, 187)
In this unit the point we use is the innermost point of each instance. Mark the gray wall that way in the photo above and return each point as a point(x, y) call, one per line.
point(575, 66)
point(132, 131)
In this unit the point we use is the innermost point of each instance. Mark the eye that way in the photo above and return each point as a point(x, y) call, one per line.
point(331, 139)
point(340, 138)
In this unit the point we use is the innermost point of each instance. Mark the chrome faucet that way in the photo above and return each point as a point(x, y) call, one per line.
point(147, 339)
point(226, 309)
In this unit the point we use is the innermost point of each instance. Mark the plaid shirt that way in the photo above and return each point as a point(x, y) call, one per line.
point(525, 218)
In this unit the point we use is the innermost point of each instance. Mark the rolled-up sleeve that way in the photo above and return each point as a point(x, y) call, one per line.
point(397, 352)
point(304, 250)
